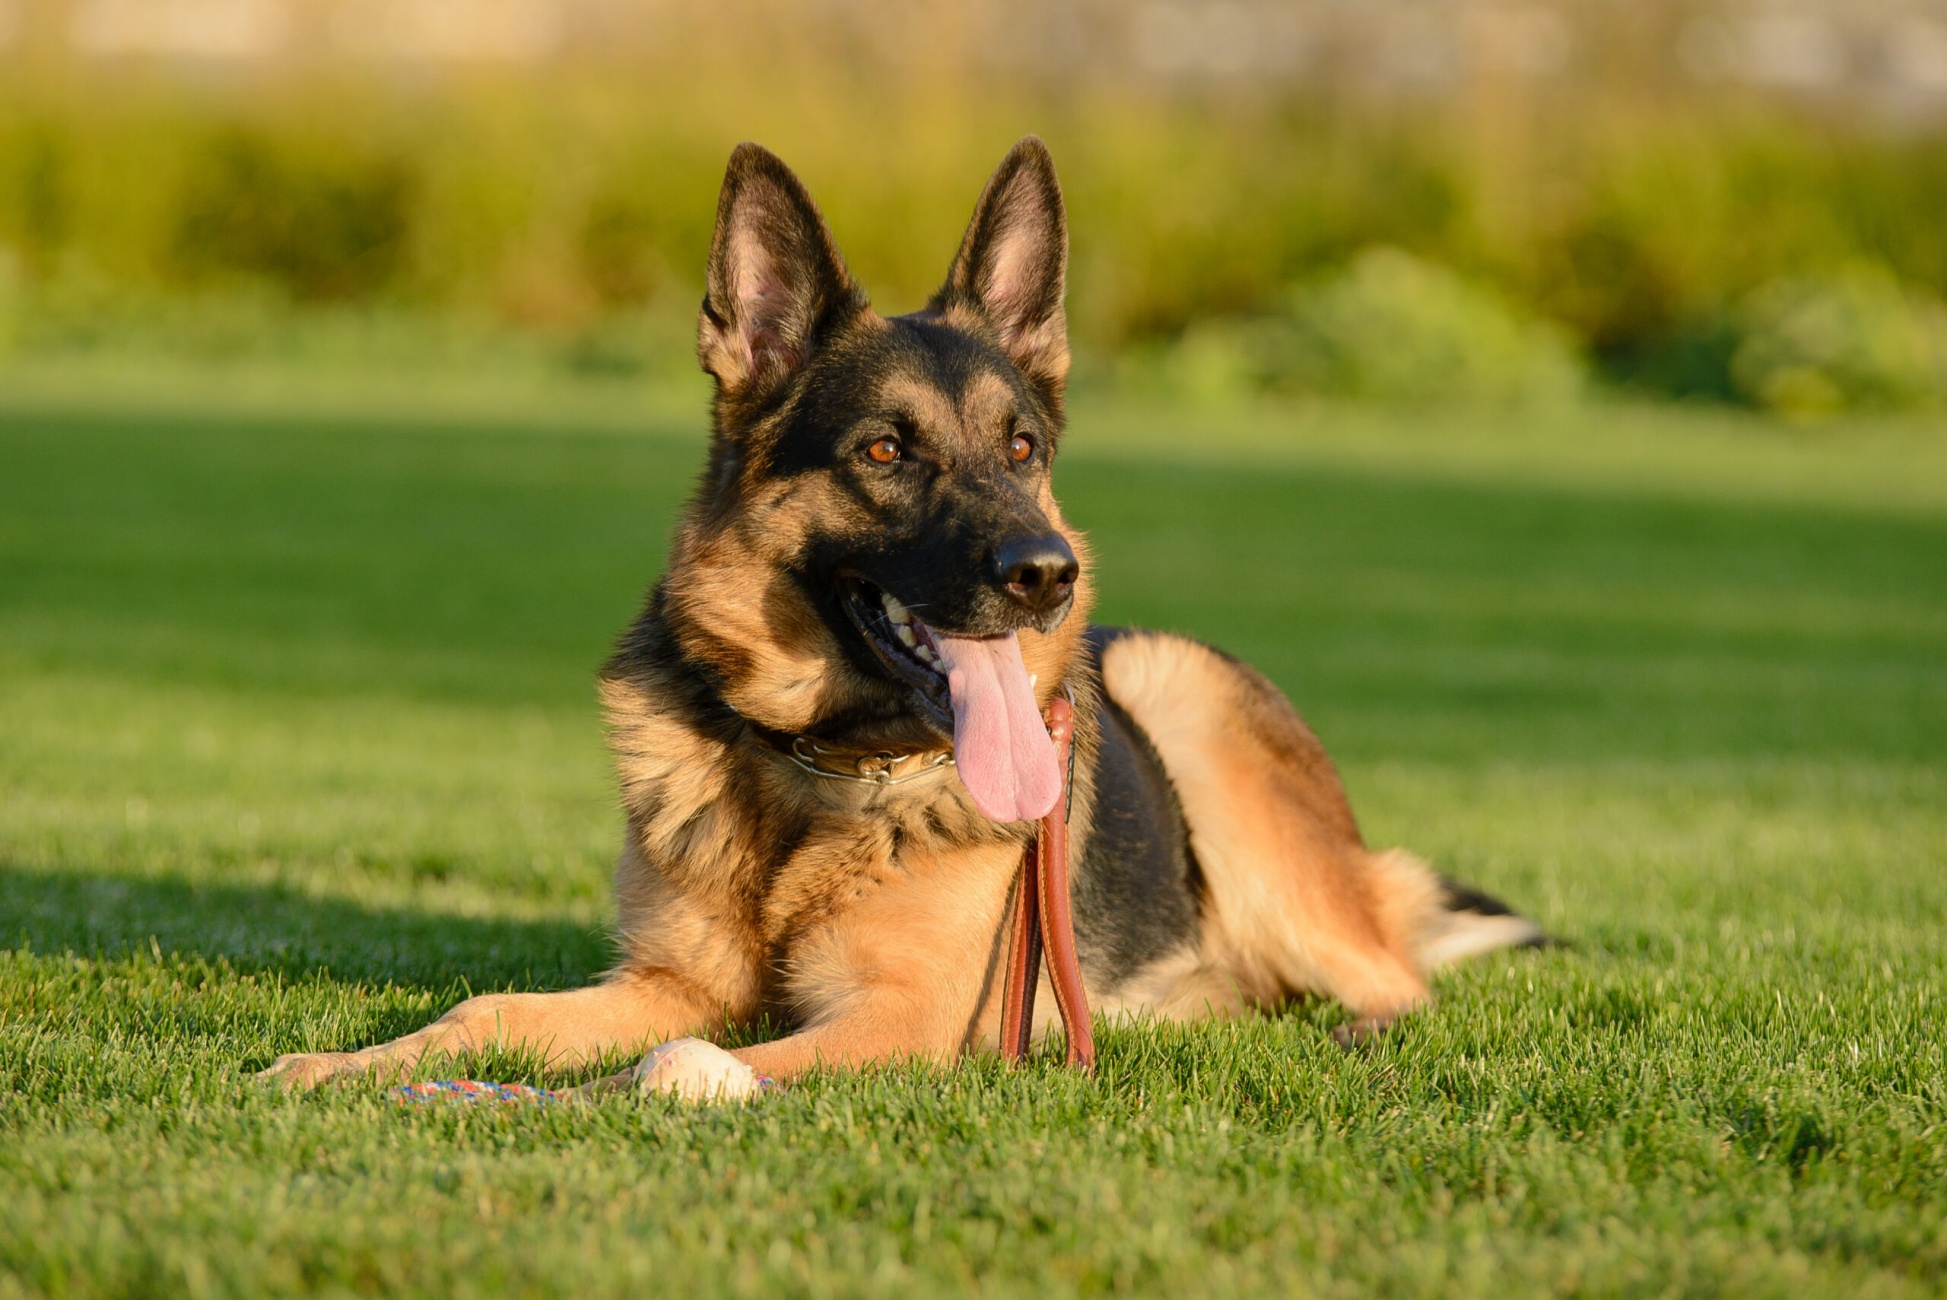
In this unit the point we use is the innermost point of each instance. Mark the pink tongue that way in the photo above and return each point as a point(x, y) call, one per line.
point(1005, 758)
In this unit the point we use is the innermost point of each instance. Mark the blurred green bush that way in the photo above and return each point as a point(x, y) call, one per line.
point(1267, 240)
point(1389, 327)
point(311, 217)
point(1849, 341)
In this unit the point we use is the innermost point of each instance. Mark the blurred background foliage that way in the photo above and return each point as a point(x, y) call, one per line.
point(1410, 201)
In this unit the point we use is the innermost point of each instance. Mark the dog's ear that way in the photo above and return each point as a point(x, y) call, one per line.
point(1013, 264)
point(775, 277)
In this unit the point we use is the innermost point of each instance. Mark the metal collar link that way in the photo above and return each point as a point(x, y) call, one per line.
point(868, 769)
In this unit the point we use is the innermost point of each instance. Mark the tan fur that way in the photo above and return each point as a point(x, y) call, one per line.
point(925, 405)
point(909, 968)
point(1296, 904)
point(775, 646)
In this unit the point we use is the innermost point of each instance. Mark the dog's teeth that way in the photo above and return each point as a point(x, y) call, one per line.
point(1033, 679)
point(925, 654)
point(894, 610)
point(905, 634)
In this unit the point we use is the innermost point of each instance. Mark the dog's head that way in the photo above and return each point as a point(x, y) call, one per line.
point(875, 555)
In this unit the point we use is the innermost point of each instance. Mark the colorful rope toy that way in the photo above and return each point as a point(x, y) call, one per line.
point(470, 1090)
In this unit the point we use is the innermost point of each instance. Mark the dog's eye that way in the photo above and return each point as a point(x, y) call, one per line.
point(885, 451)
point(1021, 449)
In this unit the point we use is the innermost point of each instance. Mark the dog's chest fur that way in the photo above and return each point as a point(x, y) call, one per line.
point(813, 882)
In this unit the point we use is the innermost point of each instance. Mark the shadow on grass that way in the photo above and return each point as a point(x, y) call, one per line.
point(270, 929)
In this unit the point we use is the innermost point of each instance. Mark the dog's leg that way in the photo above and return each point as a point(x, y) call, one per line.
point(893, 1020)
point(885, 1033)
point(568, 1029)
point(911, 970)
point(696, 1070)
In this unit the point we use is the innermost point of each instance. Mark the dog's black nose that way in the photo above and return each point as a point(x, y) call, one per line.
point(1038, 571)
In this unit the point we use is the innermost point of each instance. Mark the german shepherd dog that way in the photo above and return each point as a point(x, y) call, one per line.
point(828, 717)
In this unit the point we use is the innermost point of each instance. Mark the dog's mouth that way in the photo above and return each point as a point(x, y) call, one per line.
point(904, 644)
point(974, 688)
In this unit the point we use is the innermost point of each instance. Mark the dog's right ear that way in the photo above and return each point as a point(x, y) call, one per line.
point(775, 277)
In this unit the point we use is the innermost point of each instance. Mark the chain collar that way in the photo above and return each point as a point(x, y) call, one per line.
point(879, 767)
point(882, 767)
point(836, 763)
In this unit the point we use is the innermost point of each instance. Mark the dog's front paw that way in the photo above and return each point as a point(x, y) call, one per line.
point(299, 1071)
point(697, 1071)
point(1362, 1032)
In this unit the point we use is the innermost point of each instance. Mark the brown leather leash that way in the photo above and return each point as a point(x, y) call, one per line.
point(1043, 921)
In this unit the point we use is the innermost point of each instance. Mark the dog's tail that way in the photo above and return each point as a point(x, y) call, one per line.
point(1471, 923)
point(1443, 921)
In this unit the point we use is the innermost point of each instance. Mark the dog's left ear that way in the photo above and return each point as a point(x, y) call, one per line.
point(1013, 265)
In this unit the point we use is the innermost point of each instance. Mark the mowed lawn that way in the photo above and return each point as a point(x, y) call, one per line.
point(298, 745)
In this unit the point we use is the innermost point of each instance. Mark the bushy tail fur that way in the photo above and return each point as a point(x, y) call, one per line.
point(1442, 920)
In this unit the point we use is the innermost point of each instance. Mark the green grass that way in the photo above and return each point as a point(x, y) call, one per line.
point(298, 745)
